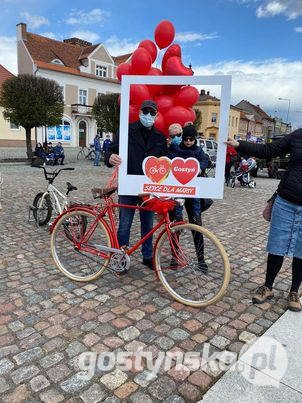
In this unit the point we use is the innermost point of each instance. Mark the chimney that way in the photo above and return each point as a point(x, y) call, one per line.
point(21, 32)
point(77, 42)
point(208, 92)
point(202, 92)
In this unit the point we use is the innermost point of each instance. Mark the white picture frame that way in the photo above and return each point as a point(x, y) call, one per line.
point(205, 187)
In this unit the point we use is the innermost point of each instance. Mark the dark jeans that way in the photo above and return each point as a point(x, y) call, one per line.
point(125, 221)
point(61, 157)
point(194, 219)
point(227, 173)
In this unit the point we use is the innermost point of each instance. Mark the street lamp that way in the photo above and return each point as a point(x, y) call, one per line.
point(286, 99)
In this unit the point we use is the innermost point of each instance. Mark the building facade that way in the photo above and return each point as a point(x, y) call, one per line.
point(81, 69)
point(209, 107)
point(10, 134)
point(264, 124)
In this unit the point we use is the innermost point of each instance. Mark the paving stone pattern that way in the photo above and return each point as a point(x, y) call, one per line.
point(47, 321)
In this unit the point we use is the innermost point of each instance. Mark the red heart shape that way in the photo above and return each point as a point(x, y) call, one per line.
point(157, 169)
point(185, 170)
point(174, 67)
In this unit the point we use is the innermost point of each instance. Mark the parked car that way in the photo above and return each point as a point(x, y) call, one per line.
point(209, 147)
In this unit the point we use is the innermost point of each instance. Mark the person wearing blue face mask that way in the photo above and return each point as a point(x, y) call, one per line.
point(144, 140)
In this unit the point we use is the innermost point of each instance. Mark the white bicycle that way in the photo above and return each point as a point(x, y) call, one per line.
point(52, 199)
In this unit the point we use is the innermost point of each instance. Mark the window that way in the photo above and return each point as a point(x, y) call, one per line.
point(62, 89)
point(214, 117)
point(83, 97)
point(215, 146)
point(101, 71)
point(57, 61)
point(14, 127)
point(233, 121)
point(236, 122)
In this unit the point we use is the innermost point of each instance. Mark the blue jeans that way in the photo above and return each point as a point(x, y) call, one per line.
point(97, 158)
point(195, 206)
point(125, 221)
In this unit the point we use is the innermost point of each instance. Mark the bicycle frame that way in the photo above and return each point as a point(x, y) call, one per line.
point(53, 192)
point(108, 211)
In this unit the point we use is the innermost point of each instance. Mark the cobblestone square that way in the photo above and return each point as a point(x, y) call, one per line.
point(47, 321)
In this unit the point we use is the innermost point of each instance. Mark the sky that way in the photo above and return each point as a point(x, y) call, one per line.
point(258, 42)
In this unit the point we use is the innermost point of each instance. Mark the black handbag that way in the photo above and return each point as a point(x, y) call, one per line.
point(205, 204)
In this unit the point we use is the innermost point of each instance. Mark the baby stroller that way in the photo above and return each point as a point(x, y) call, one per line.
point(242, 173)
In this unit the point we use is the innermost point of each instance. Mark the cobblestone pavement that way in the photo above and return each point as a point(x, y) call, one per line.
point(47, 321)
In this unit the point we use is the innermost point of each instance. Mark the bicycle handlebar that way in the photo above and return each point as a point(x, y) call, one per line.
point(51, 175)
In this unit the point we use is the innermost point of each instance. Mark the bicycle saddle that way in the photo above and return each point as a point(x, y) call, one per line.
point(70, 187)
point(103, 192)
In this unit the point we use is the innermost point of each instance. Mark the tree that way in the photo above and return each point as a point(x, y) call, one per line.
point(31, 101)
point(197, 121)
point(106, 112)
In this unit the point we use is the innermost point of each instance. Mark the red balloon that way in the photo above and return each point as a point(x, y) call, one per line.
point(177, 114)
point(133, 113)
point(123, 68)
point(150, 48)
point(171, 90)
point(187, 96)
point(164, 103)
point(192, 115)
point(160, 123)
point(141, 61)
point(138, 94)
point(173, 50)
point(154, 89)
point(174, 67)
point(119, 100)
point(164, 34)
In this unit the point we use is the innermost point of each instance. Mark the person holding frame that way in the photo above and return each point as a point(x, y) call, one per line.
point(143, 140)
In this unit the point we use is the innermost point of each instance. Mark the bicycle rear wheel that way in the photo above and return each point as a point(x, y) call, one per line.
point(75, 246)
point(91, 155)
point(192, 265)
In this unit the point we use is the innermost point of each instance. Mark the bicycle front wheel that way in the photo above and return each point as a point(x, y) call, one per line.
point(81, 155)
point(42, 209)
point(76, 246)
point(91, 155)
point(192, 265)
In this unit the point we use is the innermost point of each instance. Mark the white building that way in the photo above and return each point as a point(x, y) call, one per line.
point(82, 70)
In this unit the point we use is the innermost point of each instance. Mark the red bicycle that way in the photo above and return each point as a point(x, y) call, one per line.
point(84, 244)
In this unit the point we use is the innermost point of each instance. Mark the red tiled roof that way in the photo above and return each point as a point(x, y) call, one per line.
point(121, 59)
point(4, 75)
point(260, 111)
point(71, 70)
point(45, 50)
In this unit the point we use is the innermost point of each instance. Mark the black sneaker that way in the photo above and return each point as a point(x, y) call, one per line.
point(203, 267)
point(148, 263)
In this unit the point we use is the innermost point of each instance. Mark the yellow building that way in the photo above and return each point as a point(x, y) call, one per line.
point(209, 107)
point(10, 134)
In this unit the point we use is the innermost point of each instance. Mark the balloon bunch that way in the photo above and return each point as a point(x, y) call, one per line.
point(174, 101)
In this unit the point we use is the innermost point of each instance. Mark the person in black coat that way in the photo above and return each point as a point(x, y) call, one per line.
point(143, 140)
point(285, 235)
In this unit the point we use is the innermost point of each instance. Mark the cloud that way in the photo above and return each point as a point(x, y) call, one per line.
point(86, 35)
point(194, 36)
point(261, 82)
point(87, 17)
point(270, 8)
point(118, 46)
point(34, 21)
point(298, 29)
point(8, 54)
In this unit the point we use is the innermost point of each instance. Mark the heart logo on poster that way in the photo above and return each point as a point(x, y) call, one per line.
point(157, 169)
point(185, 170)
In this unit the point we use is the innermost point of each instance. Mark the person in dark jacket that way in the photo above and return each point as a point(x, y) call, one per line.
point(143, 140)
point(59, 153)
point(285, 235)
point(188, 149)
point(39, 151)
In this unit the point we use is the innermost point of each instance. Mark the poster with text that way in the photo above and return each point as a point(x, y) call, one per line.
point(173, 174)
